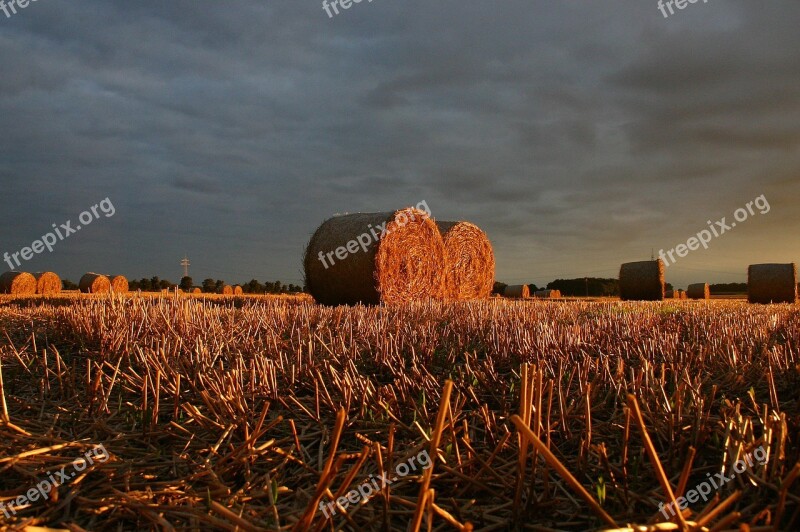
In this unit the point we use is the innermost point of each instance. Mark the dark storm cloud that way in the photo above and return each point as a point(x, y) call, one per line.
point(578, 135)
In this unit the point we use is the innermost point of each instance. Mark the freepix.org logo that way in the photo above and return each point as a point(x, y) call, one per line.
point(59, 233)
point(10, 7)
point(367, 489)
point(332, 8)
point(62, 476)
point(372, 234)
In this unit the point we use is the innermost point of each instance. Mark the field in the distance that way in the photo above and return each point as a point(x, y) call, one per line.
point(247, 413)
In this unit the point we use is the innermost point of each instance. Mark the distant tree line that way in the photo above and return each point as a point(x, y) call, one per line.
point(582, 286)
point(213, 286)
point(728, 288)
point(154, 284)
point(586, 286)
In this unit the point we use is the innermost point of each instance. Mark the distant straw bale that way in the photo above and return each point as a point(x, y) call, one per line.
point(521, 291)
point(237, 290)
point(642, 281)
point(94, 283)
point(699, 291)
point(371, 258)
point(547, 294)
point(17, 283)
point(47, 283)
point(772, 283)
point(227, 290)
point(119, 284)
point(469, 261)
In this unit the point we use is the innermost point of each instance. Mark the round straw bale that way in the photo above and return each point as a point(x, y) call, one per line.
point(682, 294)
point(94, 283)
point(369, 258)
point(698, 291)
point(119, 284)
point(772, 283)
point(547, 294)
point(17, 283)
point(469, 261)
point(517, 290)
point(47, 283)
point(642, 281)
point(227, 290)
point(237, 290)
point(196, 291)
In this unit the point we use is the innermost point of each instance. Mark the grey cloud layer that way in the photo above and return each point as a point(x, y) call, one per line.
point(577, 135)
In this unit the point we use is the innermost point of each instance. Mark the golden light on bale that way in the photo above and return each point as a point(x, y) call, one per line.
point(47, 283)
point(196, 291)
point(349, 259)
point(227, 290)
point(469, 261)
point(521, 291)
point(119, 284)
point(547, 294)
point(682, 294)
point(17, 284)
point(698, 291)
point(642, 281)
point(772, 283)
point(237, 290)
point(94, 283)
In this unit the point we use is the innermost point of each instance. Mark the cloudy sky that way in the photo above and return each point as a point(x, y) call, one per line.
point(578, 135)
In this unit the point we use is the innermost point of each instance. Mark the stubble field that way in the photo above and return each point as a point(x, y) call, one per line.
point(260, 413)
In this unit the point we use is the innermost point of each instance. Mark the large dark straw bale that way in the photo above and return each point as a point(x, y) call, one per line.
point(642, 281)
point(94, 283)
point(404, 263)
point(772, 283)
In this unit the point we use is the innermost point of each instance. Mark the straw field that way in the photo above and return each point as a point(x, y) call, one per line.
point(251, 413)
